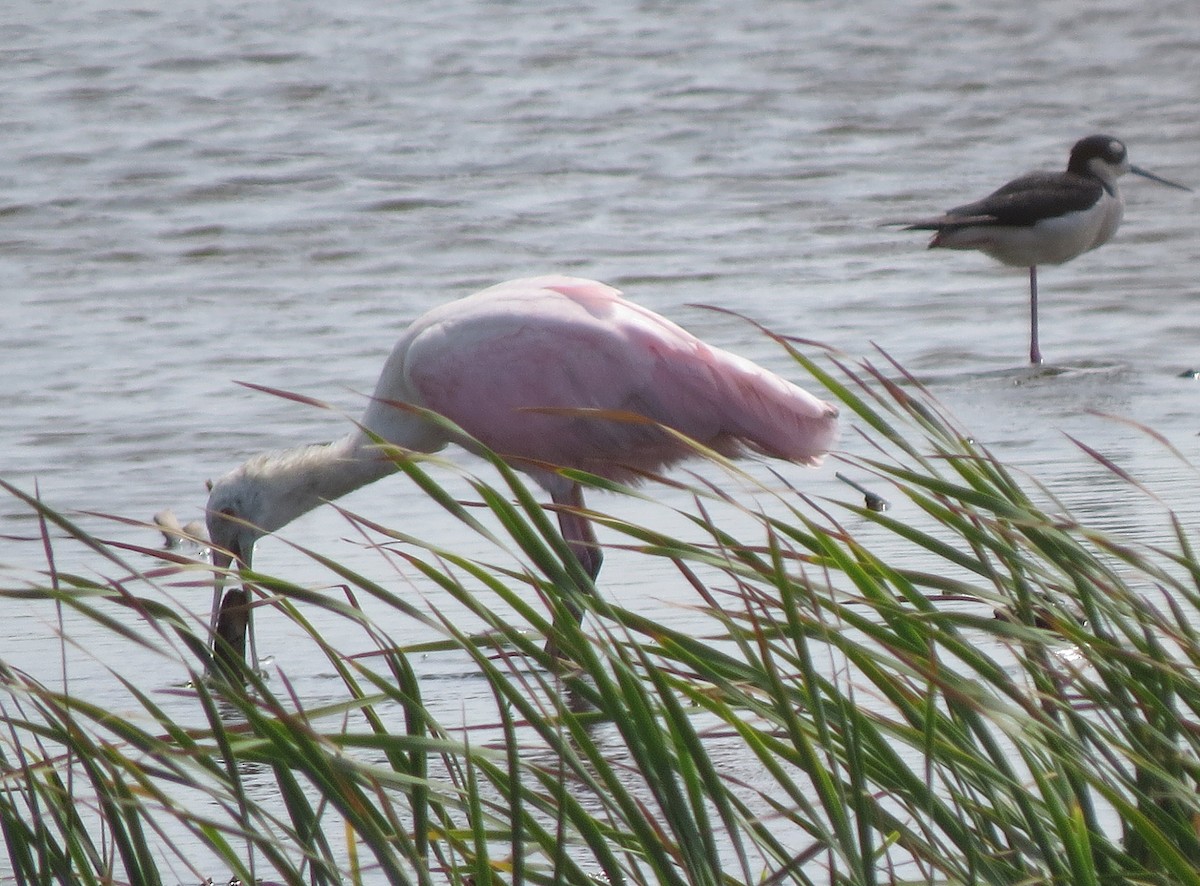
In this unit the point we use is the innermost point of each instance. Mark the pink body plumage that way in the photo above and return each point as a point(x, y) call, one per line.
point(508, 365)
point(548, 371)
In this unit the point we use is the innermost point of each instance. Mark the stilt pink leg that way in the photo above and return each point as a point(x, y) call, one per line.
point(1035, 353)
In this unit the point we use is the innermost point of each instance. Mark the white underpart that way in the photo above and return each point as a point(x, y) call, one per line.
point(1051, 242)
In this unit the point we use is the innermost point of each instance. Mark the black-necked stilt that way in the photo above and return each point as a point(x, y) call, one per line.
point(1044, 218)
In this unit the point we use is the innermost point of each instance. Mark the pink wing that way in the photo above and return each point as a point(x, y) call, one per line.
point(495, 362)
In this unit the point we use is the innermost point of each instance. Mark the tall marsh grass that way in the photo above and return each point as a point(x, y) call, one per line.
point(1007, 697)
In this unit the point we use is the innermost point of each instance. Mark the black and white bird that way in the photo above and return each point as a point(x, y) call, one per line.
point(1044, 218)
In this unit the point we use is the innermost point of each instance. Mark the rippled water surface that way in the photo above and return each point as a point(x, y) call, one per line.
point(198, 193)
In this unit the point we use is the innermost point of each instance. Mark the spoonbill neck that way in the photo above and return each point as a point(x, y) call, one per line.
point(291, 482)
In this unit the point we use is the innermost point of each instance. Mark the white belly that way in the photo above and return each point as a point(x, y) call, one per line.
point(1050, 242)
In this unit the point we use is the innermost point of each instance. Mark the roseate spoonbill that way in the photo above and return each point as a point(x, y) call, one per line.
point(513, 366)
point(1044, 218)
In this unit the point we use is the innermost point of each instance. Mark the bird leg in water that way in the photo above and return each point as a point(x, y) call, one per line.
point(580, 536)
point(577, 530)
point(1035, 353)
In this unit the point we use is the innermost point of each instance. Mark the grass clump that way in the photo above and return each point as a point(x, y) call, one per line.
point(993, 693)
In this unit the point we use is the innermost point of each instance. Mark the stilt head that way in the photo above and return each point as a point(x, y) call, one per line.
point(1100, 155)
point(1106, 158)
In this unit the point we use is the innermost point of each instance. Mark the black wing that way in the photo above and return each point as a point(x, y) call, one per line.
point(1022, 202)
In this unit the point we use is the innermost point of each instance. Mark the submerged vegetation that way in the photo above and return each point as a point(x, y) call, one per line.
point(1008, 696)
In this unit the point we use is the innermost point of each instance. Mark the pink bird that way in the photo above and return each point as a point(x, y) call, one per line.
point(516, 366)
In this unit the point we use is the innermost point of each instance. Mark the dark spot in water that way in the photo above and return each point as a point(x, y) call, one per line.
point(272, 58)
point(404, 204)
point(185, 64)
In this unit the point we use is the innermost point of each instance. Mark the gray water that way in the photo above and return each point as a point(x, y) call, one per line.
point(198, 193)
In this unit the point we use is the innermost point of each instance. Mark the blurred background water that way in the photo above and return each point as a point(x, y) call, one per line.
point(203, 192)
